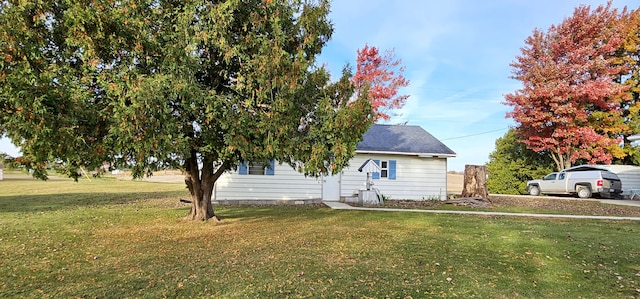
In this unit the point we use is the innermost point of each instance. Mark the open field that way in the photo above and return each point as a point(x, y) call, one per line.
point(455, 183)
point(114, 238)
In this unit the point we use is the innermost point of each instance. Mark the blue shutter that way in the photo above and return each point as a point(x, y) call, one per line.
point(271, 168)
point(376, 175)
point(243, 168)
point(392, 169)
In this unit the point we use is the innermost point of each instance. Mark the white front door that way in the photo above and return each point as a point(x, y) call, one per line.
point(331, 188)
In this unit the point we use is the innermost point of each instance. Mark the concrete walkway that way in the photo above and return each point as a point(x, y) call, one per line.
point(627, 202)
point(342, 206)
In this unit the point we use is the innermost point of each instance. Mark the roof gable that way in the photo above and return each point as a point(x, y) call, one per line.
point(402, 139)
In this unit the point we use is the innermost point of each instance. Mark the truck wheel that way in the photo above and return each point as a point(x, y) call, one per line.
point(534, 190)
point(584, 192)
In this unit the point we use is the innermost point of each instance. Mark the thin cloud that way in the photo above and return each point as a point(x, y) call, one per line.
point(457, 55)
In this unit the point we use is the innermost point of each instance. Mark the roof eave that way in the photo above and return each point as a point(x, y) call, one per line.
point(421, 155)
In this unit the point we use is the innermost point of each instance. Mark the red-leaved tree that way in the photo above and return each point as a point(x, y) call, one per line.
point(380, 76)
point(570, 100)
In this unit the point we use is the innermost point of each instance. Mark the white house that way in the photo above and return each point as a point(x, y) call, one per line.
point(413, 165)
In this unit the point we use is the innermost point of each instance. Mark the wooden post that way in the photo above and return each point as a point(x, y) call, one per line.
point(475, 182)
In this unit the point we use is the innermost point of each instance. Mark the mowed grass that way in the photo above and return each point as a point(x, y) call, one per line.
point(527, 204)
point(107, 238)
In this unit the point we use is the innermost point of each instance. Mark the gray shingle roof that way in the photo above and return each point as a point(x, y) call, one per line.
point(402, 139)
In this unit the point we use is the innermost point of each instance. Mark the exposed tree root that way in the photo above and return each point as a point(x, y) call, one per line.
point(476, 202)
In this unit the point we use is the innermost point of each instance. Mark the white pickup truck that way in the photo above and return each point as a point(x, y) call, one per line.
point(583, 181)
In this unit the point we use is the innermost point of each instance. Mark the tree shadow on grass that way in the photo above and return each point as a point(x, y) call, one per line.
point(291, 213)
point(54, 202)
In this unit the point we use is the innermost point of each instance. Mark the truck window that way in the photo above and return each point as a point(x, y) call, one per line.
point(550, 177)
point(561, 176)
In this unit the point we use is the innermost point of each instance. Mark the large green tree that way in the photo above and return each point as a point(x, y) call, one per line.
point(201, 85)
point(512, 164)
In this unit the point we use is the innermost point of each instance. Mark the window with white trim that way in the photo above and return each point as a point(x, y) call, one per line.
point(387, 169)
point(256, 168)
point(384, 169)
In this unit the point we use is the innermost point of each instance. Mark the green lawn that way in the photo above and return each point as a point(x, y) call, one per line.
point(117, 239)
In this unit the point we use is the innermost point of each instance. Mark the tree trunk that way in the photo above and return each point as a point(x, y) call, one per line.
point(562, 160)
point(475, 182)
point(200, 185)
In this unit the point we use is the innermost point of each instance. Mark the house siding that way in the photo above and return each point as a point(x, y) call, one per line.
point(284, 184)
point(629, 176)
point(416, 178)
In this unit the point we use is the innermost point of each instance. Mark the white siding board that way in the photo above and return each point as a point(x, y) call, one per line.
point(629, 176)
point(416, 178)
point(285, 184)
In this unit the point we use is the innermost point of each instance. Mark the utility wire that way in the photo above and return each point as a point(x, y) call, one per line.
point(472, 135)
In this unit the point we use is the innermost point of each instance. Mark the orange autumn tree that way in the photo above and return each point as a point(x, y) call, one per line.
point(629, 57)
point(381, 77)
point(570, 103)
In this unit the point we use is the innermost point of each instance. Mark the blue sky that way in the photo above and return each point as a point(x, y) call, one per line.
point(456, 54)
